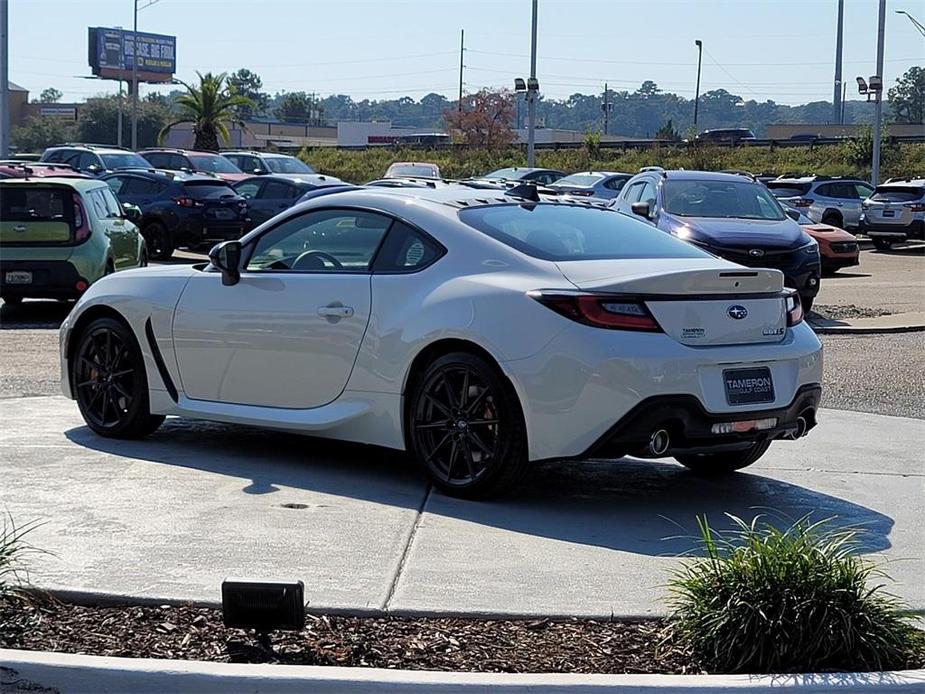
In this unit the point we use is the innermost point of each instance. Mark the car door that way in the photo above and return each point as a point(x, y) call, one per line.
point(249, 189)
point(287, 334)
point(123, 231)
point(860, 192)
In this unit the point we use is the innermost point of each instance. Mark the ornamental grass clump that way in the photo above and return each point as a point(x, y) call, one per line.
point(799, 599)
point(13, 549)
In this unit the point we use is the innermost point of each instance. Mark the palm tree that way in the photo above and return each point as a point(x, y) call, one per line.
point(210, 107)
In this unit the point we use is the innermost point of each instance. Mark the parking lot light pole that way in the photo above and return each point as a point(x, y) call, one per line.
point(699, 45)
point(878, 107)
point(4, 79)
point(532, 89)
point(135, 78)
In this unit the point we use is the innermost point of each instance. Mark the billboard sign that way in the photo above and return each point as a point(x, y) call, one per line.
point(112, 54)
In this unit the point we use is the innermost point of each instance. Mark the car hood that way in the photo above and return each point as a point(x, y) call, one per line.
point(722, 232)
point(827, 232)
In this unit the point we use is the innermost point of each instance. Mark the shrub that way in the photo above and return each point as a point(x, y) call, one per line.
point(765, 600)
point(13, 548)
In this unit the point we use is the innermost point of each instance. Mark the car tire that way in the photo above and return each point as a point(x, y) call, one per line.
point(109, 381)
point(710, 464)
point(160, 245)
point(807, 303)
point(466, 427)
point(833, 219)
point(882, 244)
point(143, 259)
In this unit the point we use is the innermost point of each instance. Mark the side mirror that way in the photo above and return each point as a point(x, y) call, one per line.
point(93, 168)
point(793, 214)
point(226, 256)
point(131, 212)
point(260, 172)
point(642, 209)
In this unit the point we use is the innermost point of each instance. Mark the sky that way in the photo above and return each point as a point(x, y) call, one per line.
point(383, 49)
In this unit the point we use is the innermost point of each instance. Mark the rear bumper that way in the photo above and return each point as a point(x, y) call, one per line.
point(689, 425)
point(51, 279)
point(201, 230)
point(915, 230)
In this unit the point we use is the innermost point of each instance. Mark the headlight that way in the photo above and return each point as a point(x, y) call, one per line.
point(811, 248)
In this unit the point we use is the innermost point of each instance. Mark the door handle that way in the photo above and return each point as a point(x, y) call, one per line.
point(335, 311)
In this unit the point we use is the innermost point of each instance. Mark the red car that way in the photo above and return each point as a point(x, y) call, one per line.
point(21, 169)
point(837, 247)
point(191, 161)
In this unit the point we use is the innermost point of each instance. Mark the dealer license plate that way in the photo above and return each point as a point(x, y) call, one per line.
point(19, 277)
point(748, 386)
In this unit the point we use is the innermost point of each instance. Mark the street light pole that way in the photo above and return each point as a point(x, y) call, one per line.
point(462, 51)
point(531, 97)
point(836, 94)
point(4, 79)
point(135, 78)
point(878, 106)
point(699, 45)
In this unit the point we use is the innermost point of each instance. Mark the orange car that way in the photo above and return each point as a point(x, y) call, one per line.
point(837, 247)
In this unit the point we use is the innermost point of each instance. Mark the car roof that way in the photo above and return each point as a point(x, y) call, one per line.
point(597, 173)
point(913, 180)
point(169, 174)
point(76, 183)
point(177, 150)
point(684, 175)
point(313, 179)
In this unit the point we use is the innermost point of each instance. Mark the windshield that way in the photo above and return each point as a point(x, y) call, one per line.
point(569, 232)
point(578, 180)
point(511, 173)
point(726, 199)
point(125, 160)
point(896, 194)
point(412, 170)
point(213, 163)
point(287, 165)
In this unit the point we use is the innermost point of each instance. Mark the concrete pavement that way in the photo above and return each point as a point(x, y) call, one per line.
point(171, 516)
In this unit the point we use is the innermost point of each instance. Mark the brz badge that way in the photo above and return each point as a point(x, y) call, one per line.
point(737, 312)
point(756, 252)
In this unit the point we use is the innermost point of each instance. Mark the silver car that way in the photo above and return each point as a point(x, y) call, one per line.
point(824, 199)
point(599, 184)
point(895, 212)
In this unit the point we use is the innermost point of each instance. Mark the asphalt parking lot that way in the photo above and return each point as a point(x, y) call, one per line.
point(170, 516)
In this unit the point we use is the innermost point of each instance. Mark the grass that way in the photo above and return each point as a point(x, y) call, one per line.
point(767, 600)
point(13, 550)
point(359, 166)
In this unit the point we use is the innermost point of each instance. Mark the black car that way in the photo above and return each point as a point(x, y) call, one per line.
point(92, 160)
point(732, 216)
point(261, 163)
point(270, 194)
point(180, 209)
point(522, 174)
point(726, 136)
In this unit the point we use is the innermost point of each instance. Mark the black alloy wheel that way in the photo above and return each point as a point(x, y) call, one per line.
point(109, 382)
point(157, 238)
point(467, 429)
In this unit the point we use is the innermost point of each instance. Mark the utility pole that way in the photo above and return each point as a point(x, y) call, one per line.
point(462, 50)
point(699, 45)
point(135, 78)
point(605, 107)
point(531, 95)
point(836, 94)
point(878, 107)
point(4, 79)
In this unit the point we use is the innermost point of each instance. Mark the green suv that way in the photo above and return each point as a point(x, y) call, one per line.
point(58, 236)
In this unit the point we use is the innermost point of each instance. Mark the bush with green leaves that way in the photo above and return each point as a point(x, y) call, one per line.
point(13, 549)
point(799, 599)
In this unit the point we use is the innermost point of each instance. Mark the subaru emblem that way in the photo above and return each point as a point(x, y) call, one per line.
point(737, 312)
point(756, 253)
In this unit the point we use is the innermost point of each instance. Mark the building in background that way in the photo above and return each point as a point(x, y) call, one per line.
point(786, 131)
point(260, 135)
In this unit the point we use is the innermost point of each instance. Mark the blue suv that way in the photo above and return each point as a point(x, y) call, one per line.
point(732, 216)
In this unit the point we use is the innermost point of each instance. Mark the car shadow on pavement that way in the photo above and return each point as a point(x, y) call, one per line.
point(34, 314)
point(642, 507)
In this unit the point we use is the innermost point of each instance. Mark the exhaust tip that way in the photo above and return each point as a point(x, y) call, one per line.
point(659, 442)
point(801, 428)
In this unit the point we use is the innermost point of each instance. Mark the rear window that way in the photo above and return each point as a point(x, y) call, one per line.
point(897, 194)
point(289, 165)
point(788, 190)
point(207, 189)
point(569, 232)
point(126, 160)
point(212, 163)
point(28, 204)
point(580, 180)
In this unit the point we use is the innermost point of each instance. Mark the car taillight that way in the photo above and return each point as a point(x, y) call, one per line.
point(81, 228)
point(794, 309)
point(915, 206)
point(600, 311)
point(801, 202)
point(187, 202)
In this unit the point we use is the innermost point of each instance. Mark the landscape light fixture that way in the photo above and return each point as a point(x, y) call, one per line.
point(263, 606)
point(862, 86)
point(520, 85)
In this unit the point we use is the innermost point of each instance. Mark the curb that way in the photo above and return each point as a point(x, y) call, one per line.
point(864, 330)
point(48, 673)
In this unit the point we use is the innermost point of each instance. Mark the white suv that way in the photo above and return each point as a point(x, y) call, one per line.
point(824, 199)
point(895, 212)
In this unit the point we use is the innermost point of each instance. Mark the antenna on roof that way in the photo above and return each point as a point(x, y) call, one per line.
point(527, 191)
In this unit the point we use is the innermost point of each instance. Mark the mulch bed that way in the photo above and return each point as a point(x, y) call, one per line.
point(848, 312)
point(197, 633)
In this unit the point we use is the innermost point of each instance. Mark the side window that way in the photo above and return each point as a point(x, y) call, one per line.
point(113, 208)
point(632, 193)
point(275, 190)
point(56, 156)
point(141, 186)
point(615, 183)
point(178, 161)
point(88, 159)
point(863, 190)
point(405, 250)
point(117, 183)
point(249, 164)
point(321, 241)
point(845, 191)
point(826, 190)
point(156, 159)
point(234, 159)
point(248, 189)
point(98, 204)
point(648, 194)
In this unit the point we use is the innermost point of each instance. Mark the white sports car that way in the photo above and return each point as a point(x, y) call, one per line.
point(478, 330)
